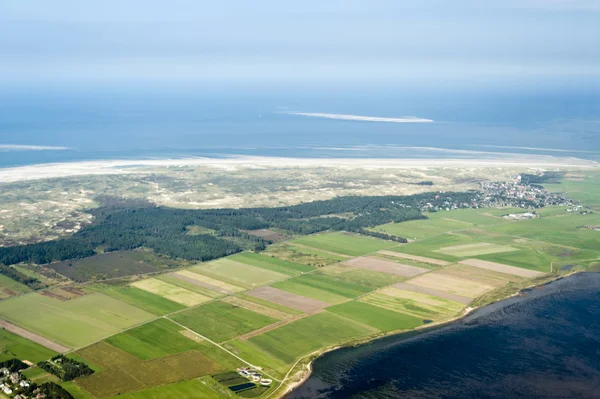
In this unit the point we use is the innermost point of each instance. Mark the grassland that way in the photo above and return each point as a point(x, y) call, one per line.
point(171, 292)
point(297, 339)
point(145, 300)
point(375, 316)
point(344, 243)
point(220, 321)
point(72, 323)
point(14, 346)
point(237, 273)
point(194, 389)
point(272, 263)
point(153, 340)
point(9, 287)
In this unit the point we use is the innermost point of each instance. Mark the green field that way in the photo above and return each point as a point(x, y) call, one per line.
point(303, 255)
point(344, 243)
point(220, 321)
point(9, 287)
point(124, 372)
point(421, 229)
point(584, 188)
point(271, 263)
point(145, 300)
point(193, 389)
point(168, 278)
point(480, 248)
point(72, 323)
point(237, 273)
point(306, 289)
point(268, 304)
point(413, 307)
point(258, 357)
point(363, 277)
point(14, 346)
point(307, 335)
point(380, 318)
point(153, 340)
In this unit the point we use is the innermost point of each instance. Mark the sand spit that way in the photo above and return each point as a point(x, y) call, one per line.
point(112, 167)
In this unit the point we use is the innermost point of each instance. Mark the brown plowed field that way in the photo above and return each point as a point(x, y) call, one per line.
point(288, 299)
point(501, 268)
point(386, 267)
point(430, 291)
point(32, 336)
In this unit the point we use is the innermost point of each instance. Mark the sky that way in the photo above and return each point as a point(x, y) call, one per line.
point(360, 41)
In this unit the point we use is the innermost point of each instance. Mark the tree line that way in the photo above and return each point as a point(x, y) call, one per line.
point(164, 230)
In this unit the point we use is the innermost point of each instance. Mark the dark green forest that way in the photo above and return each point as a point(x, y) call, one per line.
point(119, 226)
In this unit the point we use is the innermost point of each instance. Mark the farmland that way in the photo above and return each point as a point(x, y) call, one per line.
point(169, 333)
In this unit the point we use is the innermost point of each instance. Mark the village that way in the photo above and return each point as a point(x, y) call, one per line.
point(13, 385)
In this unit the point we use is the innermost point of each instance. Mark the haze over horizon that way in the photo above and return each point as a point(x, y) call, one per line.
point(268, 42)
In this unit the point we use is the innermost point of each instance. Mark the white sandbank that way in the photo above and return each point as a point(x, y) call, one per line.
point(404, 119)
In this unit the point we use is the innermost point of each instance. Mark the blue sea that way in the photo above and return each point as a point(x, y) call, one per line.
point(95, 122)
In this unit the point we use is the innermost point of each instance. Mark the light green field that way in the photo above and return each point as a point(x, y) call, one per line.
point(480, 248)
point(301, 287)
point(331, 284)
point(194, 389)
point(584, 188)
point(167, 278)
point(561, 230)
point(421, 229)
point(237, 273)
point(220, 321)
point(307, 335)
point(14, 346)
point(171, 292)
point(271, 263)
point(75, 390)
point(145, 300)
point(258, 357)
point(364, 277)
point(329, 256)
point(268, 304)
point(374, 316)
point(12, 286)
point(409, 306)
point(344, 243)
point(153, 340)
point(72, 323)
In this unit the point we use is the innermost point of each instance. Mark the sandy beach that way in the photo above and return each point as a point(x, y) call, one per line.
point(112, 167)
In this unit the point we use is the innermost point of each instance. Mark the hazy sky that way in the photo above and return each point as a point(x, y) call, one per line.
point(298, 40)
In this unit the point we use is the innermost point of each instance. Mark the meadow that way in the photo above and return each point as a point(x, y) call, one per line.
point(375, 316)
point(144, 300)
point(220, 321)
point(13, 346)
point(73, 323)
point(344, 243)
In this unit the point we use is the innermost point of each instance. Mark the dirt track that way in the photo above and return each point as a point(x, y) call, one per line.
point(32, 336)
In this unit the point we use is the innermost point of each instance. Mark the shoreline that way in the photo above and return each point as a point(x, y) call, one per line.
point(308, 369)
point(141, 166)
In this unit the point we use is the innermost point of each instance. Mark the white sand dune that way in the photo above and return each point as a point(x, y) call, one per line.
point(108, 167)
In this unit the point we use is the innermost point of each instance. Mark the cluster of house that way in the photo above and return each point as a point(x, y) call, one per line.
point(12, 382)
point(254, 376)
point(520, 195)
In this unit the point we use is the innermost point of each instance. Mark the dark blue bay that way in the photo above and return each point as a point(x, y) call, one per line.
point(542, 344)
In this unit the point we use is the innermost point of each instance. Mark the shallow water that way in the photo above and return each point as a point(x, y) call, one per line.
point(542, 344)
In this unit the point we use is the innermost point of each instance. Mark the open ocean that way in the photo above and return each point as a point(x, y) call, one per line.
point(154, 122)
point(544, 344)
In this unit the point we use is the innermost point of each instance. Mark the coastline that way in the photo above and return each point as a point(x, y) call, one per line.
point(140, 166)
point(308, 368)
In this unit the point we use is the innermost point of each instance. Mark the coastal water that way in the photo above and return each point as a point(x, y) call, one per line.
point(543, 344)
point(164, 122)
